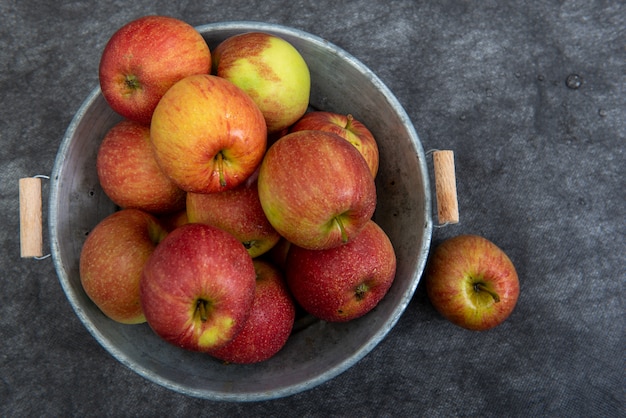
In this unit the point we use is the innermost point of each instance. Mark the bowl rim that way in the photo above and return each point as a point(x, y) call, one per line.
point(323, 377)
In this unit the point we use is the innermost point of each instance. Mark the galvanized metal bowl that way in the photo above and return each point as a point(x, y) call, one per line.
point(318, 351)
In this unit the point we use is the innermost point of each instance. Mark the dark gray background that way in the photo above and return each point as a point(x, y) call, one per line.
point(540, 169)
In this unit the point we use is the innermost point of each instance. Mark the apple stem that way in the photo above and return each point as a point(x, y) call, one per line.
point(349, 121)
point(480, 287)
point(344, 234)
point(201, 309)
point(220, 168)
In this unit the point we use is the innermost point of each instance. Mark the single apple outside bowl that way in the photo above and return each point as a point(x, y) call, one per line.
point(318, 351)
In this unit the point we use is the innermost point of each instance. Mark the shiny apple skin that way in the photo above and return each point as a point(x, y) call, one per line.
point(271, 71)
point(237, 211)
point(144, 58)
point(270, 322)
point(197, 288)
point(310, 181)
point(130, 175)
point(456, 270)
point(346, 127)
point(207, 134)
point(346, 282)
point(112, 260)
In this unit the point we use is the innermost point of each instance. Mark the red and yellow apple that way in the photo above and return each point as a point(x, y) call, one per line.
point(129, 173)
point(270, 322)
point(197, 288)
point(316, 189)
point(112, 260)
point(271, 71)
point(346, 127)
point(345, 282)
point(207, 134)
point(472, 282)
point(237, 211)
point(146, 57)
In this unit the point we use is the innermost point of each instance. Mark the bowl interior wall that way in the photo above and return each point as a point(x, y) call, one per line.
point(321, 350)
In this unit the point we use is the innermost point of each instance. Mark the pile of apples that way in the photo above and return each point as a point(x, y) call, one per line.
point(239, 205)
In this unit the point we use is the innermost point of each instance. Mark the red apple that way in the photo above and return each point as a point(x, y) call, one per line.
point(270, 322)
point(197, 288)
point(237, 211)
point(472, 282)
point(346, 127)
point(345, 282)
point(271, 71)
point(146, 57)
point(129, 173)
point(112, 259)
point(207, 134)
point(316, 189)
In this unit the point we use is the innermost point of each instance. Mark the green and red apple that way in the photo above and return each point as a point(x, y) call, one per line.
point(270, 322)
point(144, 58)
point(112, 260)
point(237, 211)
point(472, 282)
point(129, 173)
point(197, 288)
point(346, 282)
point(316, 189)
point(207, 134)
point(346, 127)
point(271, 71)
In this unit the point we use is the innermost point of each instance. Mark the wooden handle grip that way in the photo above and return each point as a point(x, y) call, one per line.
point(445, 187)
point(31, 230)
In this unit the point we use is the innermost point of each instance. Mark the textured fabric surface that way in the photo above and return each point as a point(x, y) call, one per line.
point(540, 171)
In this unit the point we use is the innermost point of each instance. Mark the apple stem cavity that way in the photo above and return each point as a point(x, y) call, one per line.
point(220, 168)
point(202, 309)
point(480, 287)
